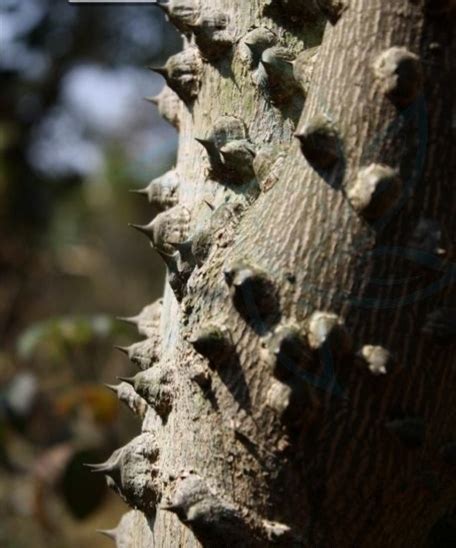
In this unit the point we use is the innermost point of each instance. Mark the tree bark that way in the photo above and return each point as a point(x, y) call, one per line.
point(303, 394)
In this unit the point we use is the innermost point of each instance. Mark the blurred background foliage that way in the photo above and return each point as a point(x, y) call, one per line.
point(75, 136)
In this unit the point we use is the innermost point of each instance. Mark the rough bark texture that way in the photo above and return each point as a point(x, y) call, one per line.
point(301, 390)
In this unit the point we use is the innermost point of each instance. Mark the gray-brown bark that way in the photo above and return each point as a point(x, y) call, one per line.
point(302, 389)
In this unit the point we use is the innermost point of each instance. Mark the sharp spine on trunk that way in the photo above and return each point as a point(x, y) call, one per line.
point(400, 76)
point(111, 467)
point(162, 192)
point(126, 394)
point(168, 227)
point(213, 518)
point(257, 41)
point(134, 477)
point(182, 13)
point(213, 342)
point(237, 158)
point(212, 33)
point(128, 380)
point(213, 154)
point(110, 533)
point(169, 106)
point(210, 27)
point(290, 351)
point(182, 73)
point(319, 142)
point(332, 9)
point(375, 191)
point(123, 349)
point(201, 509)
point(155, 386)
point(192, 501)
point(275, 74)
point(376, 358)
point(229, 150)
point(327, 330)
point(145, 353)
point(148, 320)
point(254, 292)
point(410, 430)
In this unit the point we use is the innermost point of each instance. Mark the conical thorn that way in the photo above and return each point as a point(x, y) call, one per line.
point(100, 468)
point(204, 142)
point(133, 320)
point(154, 100)
point(129, 380)
point(123, 349)
point(113, 387)
point(144, 229)
point(110, 533)
point(160, 70)
point(138, 190)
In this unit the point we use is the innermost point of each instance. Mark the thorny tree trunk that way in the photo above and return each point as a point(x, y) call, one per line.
point(300, 381)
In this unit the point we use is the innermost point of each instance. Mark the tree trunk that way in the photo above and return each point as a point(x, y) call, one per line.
point(298, 374)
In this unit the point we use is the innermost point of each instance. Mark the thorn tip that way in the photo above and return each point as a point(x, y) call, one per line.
point(123, 349)
point(113, 387)
point(129, 380)
point(110, 533)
